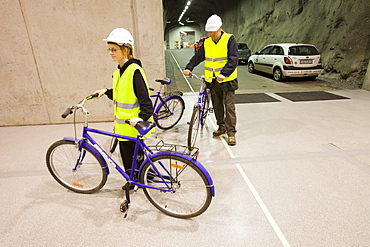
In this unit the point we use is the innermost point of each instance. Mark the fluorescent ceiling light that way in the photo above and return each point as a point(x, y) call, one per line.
point(183, 12)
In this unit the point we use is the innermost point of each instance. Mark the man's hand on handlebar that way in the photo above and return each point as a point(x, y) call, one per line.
point(187, 72)
point(220, 77)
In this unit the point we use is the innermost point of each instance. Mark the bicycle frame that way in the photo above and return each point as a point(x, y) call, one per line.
point(204, 93)
point(103, 156)
point(160, 101)
point(202, 98)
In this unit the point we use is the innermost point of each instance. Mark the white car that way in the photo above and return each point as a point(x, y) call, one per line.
point(287, 60)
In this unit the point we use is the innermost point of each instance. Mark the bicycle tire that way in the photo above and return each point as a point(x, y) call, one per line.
point(169, 112)
point(113, 144)
point(194, 126)
point(61, 159)
point(190, 193)
point(205, 109)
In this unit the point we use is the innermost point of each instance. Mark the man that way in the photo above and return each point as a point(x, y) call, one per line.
point(220, 52)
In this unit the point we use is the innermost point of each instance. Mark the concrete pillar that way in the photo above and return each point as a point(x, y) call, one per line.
point(53, 54)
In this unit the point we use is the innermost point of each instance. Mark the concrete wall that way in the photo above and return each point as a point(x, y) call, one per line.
point(53, 54)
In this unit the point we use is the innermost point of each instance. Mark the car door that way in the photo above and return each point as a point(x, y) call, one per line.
point(274, 55)
point(260, 62)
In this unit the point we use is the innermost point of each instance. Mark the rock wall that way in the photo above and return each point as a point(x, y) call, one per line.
point(340, 30)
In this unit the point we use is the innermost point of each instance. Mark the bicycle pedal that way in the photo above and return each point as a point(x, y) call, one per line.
point(136, 188)
point(124, 207)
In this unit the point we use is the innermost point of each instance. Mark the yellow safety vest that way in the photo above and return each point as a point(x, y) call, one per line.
point(216, 58)
point(126, 104)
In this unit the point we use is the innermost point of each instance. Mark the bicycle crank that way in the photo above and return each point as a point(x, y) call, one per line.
point(125, 204)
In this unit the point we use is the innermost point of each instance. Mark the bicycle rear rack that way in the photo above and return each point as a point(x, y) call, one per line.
point(165, 147)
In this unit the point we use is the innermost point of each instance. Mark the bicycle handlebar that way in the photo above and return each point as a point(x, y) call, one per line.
point(143, 126)
point(92, 96)
point(201, 78)
point(79, 105)
point(68, 111)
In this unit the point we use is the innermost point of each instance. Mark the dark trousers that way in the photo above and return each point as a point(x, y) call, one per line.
point(127, 149)
point(223, 101)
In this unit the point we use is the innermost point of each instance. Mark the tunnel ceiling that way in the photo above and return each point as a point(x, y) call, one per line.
point(196, 14)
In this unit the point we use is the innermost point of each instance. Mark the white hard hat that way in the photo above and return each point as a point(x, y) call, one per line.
point(213, 23)
point(120, 36)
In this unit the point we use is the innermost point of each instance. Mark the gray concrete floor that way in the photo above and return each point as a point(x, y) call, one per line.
point(298, 176)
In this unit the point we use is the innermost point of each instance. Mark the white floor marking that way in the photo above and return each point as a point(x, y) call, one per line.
point(246, 179)
point(186, 79)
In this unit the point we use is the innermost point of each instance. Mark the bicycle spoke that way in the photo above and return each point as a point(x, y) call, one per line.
point(188, 194)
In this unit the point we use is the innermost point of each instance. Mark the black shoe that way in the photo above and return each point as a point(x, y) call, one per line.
point(132, 186)
point(219, 132)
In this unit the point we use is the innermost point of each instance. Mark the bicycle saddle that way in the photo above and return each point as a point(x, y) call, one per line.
point(164, 81)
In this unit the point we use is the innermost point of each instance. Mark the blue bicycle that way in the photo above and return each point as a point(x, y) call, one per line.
point(201, 110)
point(170, 175)
point(167, 110)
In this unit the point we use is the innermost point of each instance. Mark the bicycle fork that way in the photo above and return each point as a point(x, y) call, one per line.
point(81, 156)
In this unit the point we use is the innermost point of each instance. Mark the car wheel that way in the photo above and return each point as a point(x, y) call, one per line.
point(278, 74)
point(251, 67)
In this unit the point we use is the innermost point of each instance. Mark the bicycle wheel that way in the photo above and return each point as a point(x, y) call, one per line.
point(186, 192)
point(206, 108)
point(86, 177)
point(194, 126)
point(113, 144)
point(169, 113)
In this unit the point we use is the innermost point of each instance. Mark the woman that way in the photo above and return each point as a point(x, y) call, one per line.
point(130, 92)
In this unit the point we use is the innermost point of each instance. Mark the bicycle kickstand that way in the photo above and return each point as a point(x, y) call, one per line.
point(125, 204)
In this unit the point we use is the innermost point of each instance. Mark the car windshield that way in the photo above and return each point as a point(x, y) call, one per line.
point(265, 50)
point(302, 50)
point(242, 46)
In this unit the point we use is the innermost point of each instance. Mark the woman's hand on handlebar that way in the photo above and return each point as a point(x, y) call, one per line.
point(135, 120)
point(101, 92)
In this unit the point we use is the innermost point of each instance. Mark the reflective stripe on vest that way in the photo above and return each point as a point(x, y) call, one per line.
point(126, 105)
point(216, 58)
